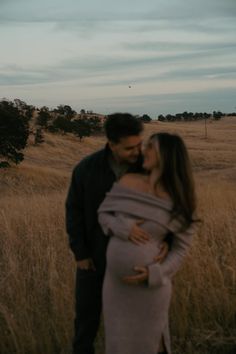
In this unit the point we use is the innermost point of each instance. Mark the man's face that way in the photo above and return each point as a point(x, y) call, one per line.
point(127, 149)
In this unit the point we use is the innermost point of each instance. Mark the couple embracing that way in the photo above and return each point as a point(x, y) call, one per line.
point(130, 221)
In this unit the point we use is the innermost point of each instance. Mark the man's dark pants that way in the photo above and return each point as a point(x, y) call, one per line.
point(88, 310)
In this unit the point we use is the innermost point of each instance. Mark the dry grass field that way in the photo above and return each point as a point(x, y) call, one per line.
point(37, 269)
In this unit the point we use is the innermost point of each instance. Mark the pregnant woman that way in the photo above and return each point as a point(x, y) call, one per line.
point(136, 290)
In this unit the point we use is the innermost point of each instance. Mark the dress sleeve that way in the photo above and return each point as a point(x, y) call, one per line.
point(159, 273)
point(115, 224)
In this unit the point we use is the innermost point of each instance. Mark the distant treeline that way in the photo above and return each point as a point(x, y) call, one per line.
point(189, 116)
point(18, 120)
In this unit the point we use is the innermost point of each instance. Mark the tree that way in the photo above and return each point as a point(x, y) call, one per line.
point(95, 124)
point(185, 115)
point(65, 111)
point(43, 117)
point(170, 118)
point(206, 115)
point(178, 116)
point(145, 118)
point(161, 118)
point(62, 123)
point(14, 132)
point(81, 127)
point(25, 109)
point(217, 115)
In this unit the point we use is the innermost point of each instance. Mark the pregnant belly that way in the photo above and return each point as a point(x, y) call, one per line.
point(123, 256)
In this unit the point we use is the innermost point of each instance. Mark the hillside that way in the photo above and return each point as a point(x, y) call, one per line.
point(214, 155)
point(36, 308)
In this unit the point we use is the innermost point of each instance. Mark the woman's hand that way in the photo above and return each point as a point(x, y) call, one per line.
point(138, 235)
point(140, 278)
point(164, 249)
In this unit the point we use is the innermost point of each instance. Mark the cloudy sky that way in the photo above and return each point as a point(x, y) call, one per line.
point(152, 56)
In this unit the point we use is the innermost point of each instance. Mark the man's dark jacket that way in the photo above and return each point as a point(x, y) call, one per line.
point(92, 178)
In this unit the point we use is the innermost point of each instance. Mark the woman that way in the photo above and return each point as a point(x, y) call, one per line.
point(136, 290)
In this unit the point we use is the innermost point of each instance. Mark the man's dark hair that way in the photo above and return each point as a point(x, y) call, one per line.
point(121, 125)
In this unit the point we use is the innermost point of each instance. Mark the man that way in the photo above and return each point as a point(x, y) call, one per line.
point(92, 178)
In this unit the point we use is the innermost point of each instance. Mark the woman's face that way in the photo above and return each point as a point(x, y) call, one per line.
point(151, 156)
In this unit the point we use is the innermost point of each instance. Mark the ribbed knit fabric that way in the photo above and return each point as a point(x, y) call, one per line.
point(136, 316)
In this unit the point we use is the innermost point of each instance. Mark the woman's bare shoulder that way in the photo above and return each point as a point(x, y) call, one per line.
point(133, 180)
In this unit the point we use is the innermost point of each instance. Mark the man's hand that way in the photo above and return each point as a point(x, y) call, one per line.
point(164, 249)
point(138, 235)
point(140, 278)
point(86, 264)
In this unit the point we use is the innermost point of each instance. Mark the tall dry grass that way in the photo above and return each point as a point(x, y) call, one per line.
point(37, 268)
point(204, 302)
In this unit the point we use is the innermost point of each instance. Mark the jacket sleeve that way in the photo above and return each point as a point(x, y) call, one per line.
point(159, 273)
point(75, 224)
point(115, 224)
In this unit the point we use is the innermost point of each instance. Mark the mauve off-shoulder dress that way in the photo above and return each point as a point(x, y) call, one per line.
point(136, 316)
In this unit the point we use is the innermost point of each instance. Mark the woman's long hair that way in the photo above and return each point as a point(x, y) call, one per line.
point(176, 175)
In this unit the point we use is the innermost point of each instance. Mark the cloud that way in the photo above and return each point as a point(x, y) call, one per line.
point(58, 10)
point(111, 63)
point(173, 75)
point(110, 70)
point(160, 46)
point(192, 9)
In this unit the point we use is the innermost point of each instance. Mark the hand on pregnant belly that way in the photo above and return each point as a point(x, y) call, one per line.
point(124, 256)
point(140, 278)
point(138, 235)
